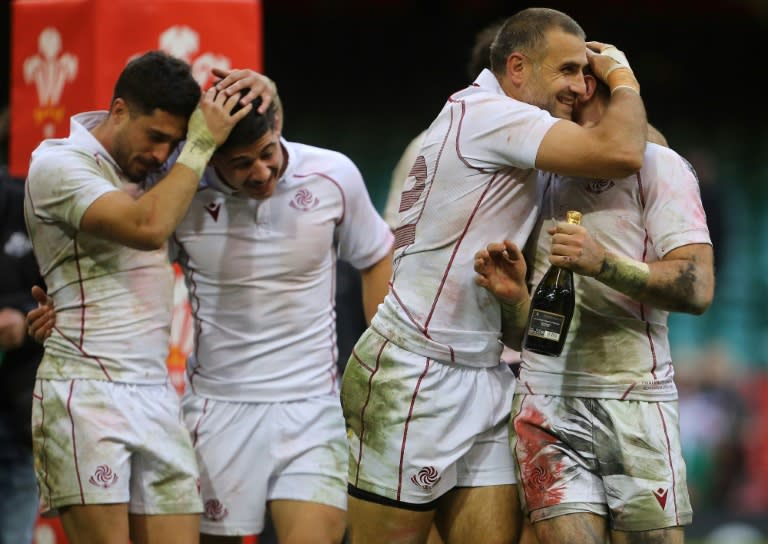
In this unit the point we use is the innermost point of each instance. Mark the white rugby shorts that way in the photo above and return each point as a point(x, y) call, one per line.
point(99, 442)
point(252, 453)
point(617, 458)
point(418, 427)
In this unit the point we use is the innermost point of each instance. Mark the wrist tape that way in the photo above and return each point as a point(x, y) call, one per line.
point(199, 146)
point(624, 271)
point(620, 76)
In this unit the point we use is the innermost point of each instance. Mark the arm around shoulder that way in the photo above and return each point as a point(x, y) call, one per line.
point(143, 223)
point(613, 148)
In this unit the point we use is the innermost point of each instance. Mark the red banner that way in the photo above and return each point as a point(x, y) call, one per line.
point(67, 54)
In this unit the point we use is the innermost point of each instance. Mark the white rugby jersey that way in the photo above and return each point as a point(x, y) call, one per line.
point(617, 347)
point(473, 182)
point(113, 303)
point(261, 276)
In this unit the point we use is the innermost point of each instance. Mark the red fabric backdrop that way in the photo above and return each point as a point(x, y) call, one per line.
point(67, 54)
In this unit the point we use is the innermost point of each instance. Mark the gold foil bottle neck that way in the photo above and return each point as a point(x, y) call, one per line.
point(573, 217)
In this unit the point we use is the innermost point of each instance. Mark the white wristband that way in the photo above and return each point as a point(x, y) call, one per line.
point(621, 270)
point(196, 156)
point(617, 55)
point(624, 87)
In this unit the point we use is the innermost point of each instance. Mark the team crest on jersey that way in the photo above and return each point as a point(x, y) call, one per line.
point(214, 510)
point(598, 186)
point(426, 478)
point(213, 209)
point(661, 496)
point(103, 477)
point(304, 200)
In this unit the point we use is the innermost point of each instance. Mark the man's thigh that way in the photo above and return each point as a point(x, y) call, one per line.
point(479, 514)
point(307, 521)
point(376, 523)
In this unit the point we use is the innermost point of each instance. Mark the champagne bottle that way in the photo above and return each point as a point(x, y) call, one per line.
point(551, 308)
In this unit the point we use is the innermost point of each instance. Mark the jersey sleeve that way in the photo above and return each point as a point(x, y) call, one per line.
point(498, 131)
point(363, 237)
point(62, 186)
point(673, 212)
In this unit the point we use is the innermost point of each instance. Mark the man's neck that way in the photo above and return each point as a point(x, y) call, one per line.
point(103, 133)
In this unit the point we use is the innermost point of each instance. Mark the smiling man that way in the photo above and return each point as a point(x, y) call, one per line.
point(259, 248)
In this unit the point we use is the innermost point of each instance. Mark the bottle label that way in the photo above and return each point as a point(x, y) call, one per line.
point(546, 325)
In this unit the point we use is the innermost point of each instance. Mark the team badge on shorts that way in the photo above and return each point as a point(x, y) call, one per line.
point(215, 511)
point(426, 478)
point(103, 477)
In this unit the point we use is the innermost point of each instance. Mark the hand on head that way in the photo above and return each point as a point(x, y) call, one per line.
point(610, 65)
point(234, 81)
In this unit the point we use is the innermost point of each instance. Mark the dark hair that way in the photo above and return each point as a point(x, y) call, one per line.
point(480, 56)
point(156, 80)
point(251, 127)
point(524, 31)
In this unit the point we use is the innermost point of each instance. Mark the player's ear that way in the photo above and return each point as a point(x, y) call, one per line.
point(119, 109)
point(516, 67)
point(591, 85)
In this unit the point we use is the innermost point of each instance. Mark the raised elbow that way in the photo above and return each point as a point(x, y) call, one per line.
point(629, 163)
point(703, 300)
point(147, 239)
point(634, 163)
point(149, 244)
point(701, 297)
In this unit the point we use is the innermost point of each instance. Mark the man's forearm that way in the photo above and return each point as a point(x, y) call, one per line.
point(673, 284)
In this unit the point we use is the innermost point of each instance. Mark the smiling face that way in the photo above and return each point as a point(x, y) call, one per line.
point(252, 170)
point(555, 80)
point(141, 143)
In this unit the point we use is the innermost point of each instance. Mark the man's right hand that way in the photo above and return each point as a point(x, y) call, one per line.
point(41, 320)
point(208, 127)
point(216, 109)
point(258, 85)
point(610, 65)
point(501, 269)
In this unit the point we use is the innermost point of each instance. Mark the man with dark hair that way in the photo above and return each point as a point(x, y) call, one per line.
point(258, 248)
point(112, 455)
point(425, 395)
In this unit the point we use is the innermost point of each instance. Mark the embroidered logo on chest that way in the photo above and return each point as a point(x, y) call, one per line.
point(213, 209)
point(304, 200)
point(598, 186)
